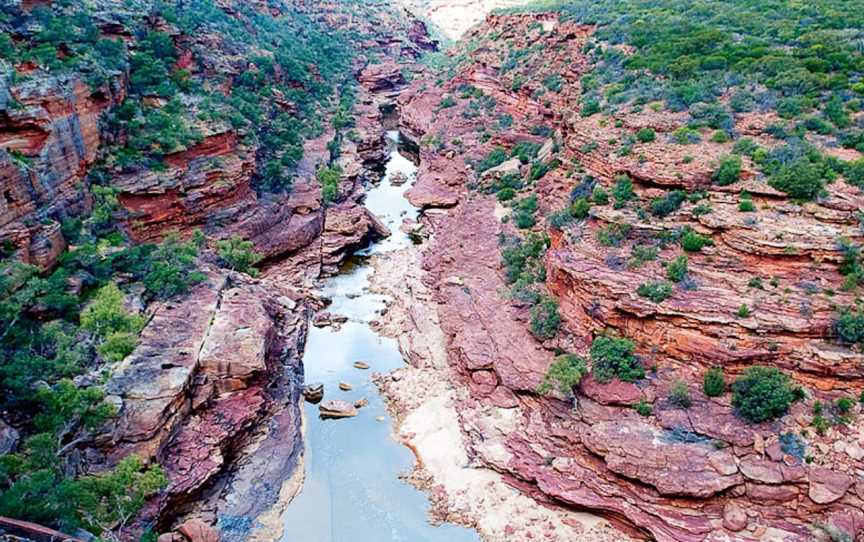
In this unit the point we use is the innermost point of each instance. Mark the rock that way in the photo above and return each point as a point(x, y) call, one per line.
point(313, 393)
point(361, 365)
point(855, 451)
point(398, 178)
point(380, 419)
point(508, 167)
point(8, 438)
point(345, 386)
point(360, 403)
point(326, 318)
point(196, 530)
point(614, 392)
point(734, 517)
point(827, 486)
point(336, 409)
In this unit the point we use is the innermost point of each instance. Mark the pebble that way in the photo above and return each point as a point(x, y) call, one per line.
point(361, 365)
point(360, 403)
point(344, 386)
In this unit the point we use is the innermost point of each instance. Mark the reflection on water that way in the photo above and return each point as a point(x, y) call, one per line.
point(352, 491)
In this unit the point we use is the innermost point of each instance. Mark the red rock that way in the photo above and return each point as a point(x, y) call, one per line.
point(734, 517)
point(827, 486)
point(196, 530)
point(614, 392)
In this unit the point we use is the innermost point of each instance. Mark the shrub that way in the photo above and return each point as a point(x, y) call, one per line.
point(745, 147)
point(545, 320)
point(854, 173)
point(524, 212)
point(329, 178)
point(849, 326)
point(117, 346)
point(646, 135)
point(171, 269)
point(506, 194)
point(729, 170)
point(762, 394)
point(612, 357)
point(720, 137)
point(643, 408)
point(713, 382)
point(686, 136)
point(743, 311)
point(641, 254)
point(599, 196)
point(565, 373)
point(622, 191)
point(668, 204)
point(580, 208)
point(238, 254)
point(590, 107)
point(694, 242)
point(446, 102)
point(802, 179)
point(655, 291)
point(844, 404)
point(679, 395)
point(746, 206)
point(613, 234)
point(676, 271)
point(496, 157)
point(525, 151)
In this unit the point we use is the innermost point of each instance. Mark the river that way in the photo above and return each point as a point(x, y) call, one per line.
point(352, 490)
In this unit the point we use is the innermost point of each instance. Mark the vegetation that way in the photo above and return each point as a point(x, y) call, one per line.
point(565, 373)
point(612, 357)
point(238, 254)
point(714, 382)
point(679, 395)
point(655, 291)
point(668, 204)
point(676, 271)
point(545, 320)
point(694, 242)
point(849, 326)
point(729, 170)
point(762, 394)
point(329, 178)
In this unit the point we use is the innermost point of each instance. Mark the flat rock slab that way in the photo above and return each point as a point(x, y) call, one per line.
point(336, 409)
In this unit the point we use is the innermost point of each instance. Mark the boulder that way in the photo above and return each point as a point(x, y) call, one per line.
point(827, 486)
point(336, 409)
point(734, 517)
point(196, 530)
point(8, 438)
point(314, 392)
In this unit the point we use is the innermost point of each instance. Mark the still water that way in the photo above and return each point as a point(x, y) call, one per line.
point(352, 491)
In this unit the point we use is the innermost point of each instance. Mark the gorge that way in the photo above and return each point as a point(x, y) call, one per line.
point(364, 270)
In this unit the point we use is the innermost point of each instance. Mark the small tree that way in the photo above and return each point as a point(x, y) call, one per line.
point(238, 254)
point(762, 394)
point(729, 170)
point(545, 320)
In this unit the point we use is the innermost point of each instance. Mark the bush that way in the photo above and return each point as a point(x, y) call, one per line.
point(446, 102)
point(117, 346)
point(105, 315)
point(590, 107)
point(599, 196)
point(646, 135)
point(655, 291)
point(612, 357)
point(565, 373)
point(496, 157)
point(746, 206)
point(329, 178)
point(613, 234)
point(238, 254)
point(729, 170)
point(676, 271)
point(844, 404)
point(713, 382)
point(171, 269)
point(694, 242)
point(802, 179)
point(580, 208)
point(643, 408)
point(743, 311)
point(671, 202)
point(641, 254)
point(622, 191)
point(762, 394)
point(849, 327)
point(679, 395)
point(545, 320)
point(524, 212)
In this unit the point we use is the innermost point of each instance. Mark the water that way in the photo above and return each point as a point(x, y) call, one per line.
point(352, 491)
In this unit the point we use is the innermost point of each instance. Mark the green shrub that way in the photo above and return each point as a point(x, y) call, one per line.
point(802, 179)
point(646, 135)
point(105, 315)
point(613, 234)
point(590, 107)
point(745, 147)
point(746, 206)
point(642, 254)
point(446, 102)
point(713, 382)
point(329, 178)
point(580, 208)
point(719, 137)
point(545, 320)
point(849, 326)
point(655, 291)
point(565, 373)
point(612, 357)
point(238, 254)
point(729, 170)
point(643, 408)
point(599, 196)
point(506, 194)
point(117, 346)
point(679, 395)
point(676, 271)
point(762, 394)
point(496, 157)
point(844, 404)
point(622, 191)
point(524, 212)
point(668, 204)
point(743, 311)
point(171, 268)
point(694, 242)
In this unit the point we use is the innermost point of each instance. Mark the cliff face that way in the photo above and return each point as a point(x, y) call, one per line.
point(51, 137)
point(695, 473)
